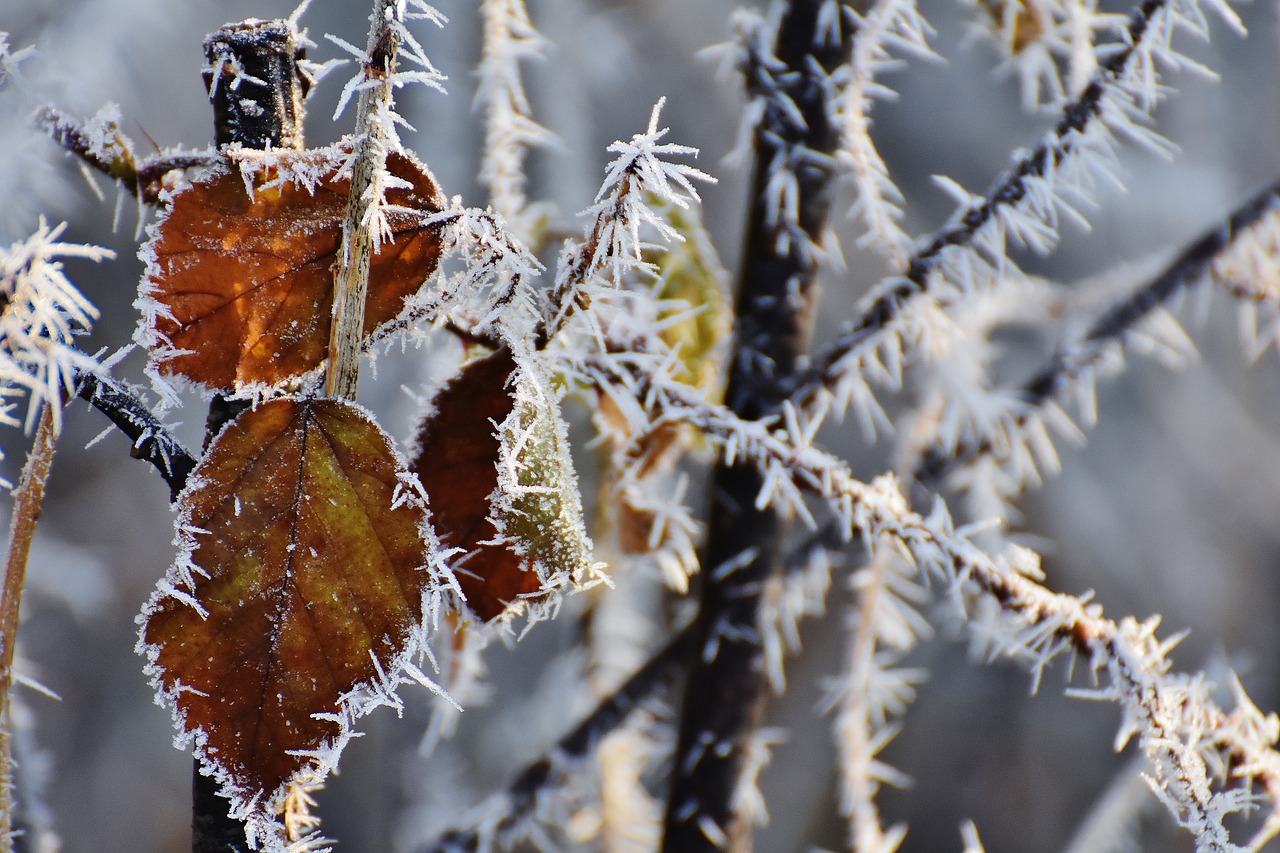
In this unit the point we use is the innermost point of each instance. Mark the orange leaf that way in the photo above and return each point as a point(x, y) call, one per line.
point(239, 286)
point(301, 591)
point(457, 465)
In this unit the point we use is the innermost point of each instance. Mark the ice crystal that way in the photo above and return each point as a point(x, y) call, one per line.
point(41, 313)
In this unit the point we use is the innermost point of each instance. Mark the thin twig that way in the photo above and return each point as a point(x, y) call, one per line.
point(508, 37)
point(28, 501)
point(152, 441)
point(1204, 758)
point(143, 178)
point(521, 795)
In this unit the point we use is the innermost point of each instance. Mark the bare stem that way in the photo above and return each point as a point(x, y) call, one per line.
point(28, 500)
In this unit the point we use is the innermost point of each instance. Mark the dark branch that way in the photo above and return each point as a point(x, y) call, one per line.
point(726, 692)
point(257, 87)
point(151, 439)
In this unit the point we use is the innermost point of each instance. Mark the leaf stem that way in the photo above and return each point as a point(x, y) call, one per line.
point(28, 499)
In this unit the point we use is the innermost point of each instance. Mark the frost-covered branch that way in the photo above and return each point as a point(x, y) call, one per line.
point(152, 440)
point(1205, 759)
point(1023, 438)
point(887, 26)
point(367, 224)
point(509, 39)
point(28, 500)
point(613, 250)
point(100, 144)
point(41, 313)
point(787, 68)
point(1044, 185)
point(489, 279)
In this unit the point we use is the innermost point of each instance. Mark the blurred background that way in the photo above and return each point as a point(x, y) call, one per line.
point(1172, 506)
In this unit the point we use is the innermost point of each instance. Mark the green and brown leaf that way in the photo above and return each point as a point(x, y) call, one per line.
point(496, 467)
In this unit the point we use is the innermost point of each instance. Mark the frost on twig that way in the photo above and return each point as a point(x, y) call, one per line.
point(613, 250)
point(886, 28)
point(1018, 447)
point(1208, 762)
point(11, 61)
point(1047, 44)
point(101, 145)
point(787, 65)
point(876, 690)
point(152, 440)
point(367, 224)
point(509, 39)
point(257, 81)
point(486, 283)
point(1045, 185)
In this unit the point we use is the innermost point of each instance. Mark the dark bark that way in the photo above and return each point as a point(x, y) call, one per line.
point(151, 439)
point(726, 693)
point(256, 85)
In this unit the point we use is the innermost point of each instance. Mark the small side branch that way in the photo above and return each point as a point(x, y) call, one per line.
point(152, 441)
point(107, 150)
point(1107, 98)
point(509, 37)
